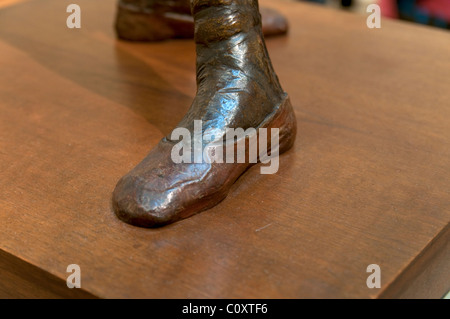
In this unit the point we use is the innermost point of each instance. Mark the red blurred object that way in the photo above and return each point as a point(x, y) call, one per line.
point(389, 8)
point(436, 8)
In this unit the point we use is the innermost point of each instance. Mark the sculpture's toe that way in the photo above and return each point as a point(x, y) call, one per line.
point(135, 203)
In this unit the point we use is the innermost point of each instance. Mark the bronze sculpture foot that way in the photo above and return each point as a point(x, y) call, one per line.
point(237, 88)
point(155, 20)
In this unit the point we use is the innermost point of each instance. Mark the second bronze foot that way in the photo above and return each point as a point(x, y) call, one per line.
point(156, 20)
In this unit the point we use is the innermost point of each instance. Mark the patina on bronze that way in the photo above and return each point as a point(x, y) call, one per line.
point(155, 20)
point(236, 88)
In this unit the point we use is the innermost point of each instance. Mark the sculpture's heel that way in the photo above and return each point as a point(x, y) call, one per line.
point(288, 129)
point(284, 119)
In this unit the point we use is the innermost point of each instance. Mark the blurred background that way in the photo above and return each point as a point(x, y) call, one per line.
point(429, 12)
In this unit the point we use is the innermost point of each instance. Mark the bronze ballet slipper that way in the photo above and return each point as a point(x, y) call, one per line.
point(236, 88)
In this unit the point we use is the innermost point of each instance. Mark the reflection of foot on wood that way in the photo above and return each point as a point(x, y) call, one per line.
point(237, 88)
point(153, 20)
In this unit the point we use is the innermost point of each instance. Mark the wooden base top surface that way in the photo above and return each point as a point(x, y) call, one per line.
point(367, 182)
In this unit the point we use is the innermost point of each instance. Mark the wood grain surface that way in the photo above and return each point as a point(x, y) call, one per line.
point(368, 180)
